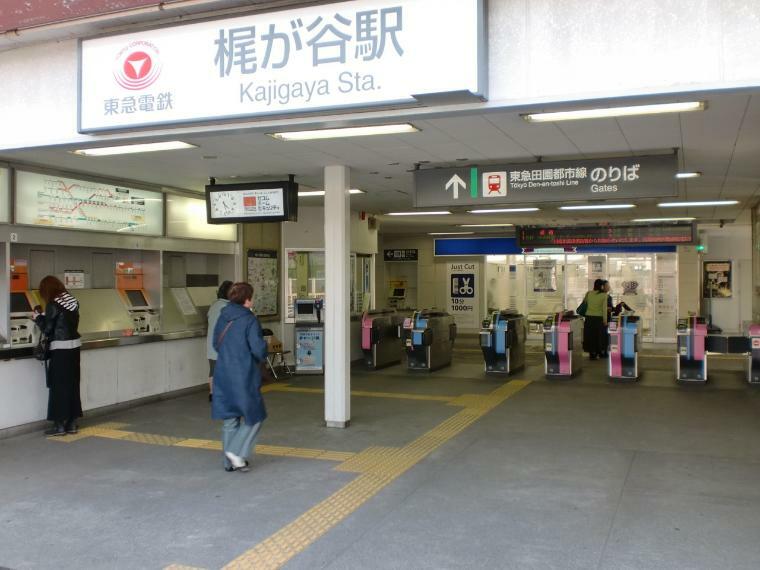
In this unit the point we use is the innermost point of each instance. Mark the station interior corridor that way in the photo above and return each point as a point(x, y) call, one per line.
point(455, 469)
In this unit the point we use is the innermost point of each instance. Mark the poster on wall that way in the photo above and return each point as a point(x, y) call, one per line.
point(262, 275)
point(54, 201)
point(463, 294)
point(716, 280)
point(544, 275)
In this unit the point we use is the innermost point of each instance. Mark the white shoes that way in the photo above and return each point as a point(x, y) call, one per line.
point(237, 462)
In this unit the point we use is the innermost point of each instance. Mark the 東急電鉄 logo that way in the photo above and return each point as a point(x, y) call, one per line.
point(137, 66)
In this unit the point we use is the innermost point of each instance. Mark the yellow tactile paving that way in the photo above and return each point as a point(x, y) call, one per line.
point(88, 432)
point(363, 393)
point(181, 567)
point(379, 467)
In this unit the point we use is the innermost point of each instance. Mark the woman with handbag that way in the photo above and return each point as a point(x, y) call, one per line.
point(595, 321)
point(240, 348)
point(59, 325)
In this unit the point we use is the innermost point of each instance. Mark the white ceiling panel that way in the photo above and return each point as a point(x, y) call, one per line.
point(539, 139)
point(651, 133)
point(596, 136)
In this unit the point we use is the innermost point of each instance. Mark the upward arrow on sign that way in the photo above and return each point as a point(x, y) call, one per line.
point(456, 182)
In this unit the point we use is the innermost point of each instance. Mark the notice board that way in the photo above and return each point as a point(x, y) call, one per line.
point(263, 277)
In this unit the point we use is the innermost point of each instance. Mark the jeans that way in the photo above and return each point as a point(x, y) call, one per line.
point(238, 438)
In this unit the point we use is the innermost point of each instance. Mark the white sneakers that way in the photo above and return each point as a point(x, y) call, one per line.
point(238, 462)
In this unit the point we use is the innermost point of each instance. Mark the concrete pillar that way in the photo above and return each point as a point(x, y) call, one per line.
point(337, 292)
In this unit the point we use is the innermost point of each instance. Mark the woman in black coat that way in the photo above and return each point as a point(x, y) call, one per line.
point(60, 323)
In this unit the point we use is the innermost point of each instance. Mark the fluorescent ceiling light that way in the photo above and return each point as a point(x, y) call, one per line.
point(608, 112)
point(396, 129)
point(486, 225)
point(705, 203)
point(683, 175)
point(134, 148)
point(307, 193)
point(442, 213)
point(450, 233)
point(664, 220)
point(599, 207)
point(503, 211)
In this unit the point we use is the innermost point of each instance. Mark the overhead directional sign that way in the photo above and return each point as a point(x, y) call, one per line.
point(596, 179)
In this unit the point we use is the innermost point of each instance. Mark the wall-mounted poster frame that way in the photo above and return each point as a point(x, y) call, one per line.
point(716, 280)
point(5, 195)
point(49, 200)
point(263, 275)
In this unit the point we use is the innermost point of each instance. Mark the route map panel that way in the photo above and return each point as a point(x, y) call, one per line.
point(48, 200)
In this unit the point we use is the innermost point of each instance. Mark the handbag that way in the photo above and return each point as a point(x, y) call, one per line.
point(42, 350)
point(583, 307)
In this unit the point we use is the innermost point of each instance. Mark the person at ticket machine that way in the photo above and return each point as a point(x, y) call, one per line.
point(59, 324)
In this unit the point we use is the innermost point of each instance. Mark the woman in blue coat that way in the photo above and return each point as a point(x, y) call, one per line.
point(237, 378)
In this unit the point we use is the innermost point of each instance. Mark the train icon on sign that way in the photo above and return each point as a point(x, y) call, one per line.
point(494, 184)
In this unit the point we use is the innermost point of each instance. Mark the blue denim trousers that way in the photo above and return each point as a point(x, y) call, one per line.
point(238, 438)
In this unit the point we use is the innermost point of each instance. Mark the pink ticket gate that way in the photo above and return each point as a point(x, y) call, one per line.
point(563, 335)
point(691, 360)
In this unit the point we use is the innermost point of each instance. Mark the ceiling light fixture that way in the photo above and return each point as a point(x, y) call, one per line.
point(396, 129)
point(307, 193)
point(503, 211)
point(438, 213)
point(685, 175)
point(450, 233)
point(703, 203)
point(134, 148)
point(486, 225)
point(608, 112)
point(599, 207)
point(664, 220)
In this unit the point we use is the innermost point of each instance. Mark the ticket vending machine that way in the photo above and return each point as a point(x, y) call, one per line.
point(428, 337)
point(623, 364)
point(309, 336)
point(502, 340)
point(381, 344)
point(129, 284)
point(23, 330)
point(691, 359)
point(563, 352)
point(753, 355)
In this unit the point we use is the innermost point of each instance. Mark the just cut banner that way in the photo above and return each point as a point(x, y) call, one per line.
point(597, 179)
point(354, 54)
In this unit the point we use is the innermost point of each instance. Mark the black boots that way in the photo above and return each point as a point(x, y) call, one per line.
point(58, 428)
point(62, 428)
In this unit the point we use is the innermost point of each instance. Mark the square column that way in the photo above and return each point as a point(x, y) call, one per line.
point(337, 297)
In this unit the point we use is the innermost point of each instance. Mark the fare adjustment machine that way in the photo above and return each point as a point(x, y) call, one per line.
point(309, 336)
point(502, 340)
point(429, 340)
point(563, 335)
point(691, 360)
point(129, 283)
point(624, 348)
point(381, 344)
point(23, 331)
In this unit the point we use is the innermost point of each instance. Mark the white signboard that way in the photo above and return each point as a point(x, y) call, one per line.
point(49, 200)
point(186, 218)
point(463, 283)
point(4, 196)
point(235, 204)
point(348, 54)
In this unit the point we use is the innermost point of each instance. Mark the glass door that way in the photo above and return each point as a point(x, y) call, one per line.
point(631, 278)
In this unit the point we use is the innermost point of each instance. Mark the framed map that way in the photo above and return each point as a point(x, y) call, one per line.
point(263, 277)
point(55, 201)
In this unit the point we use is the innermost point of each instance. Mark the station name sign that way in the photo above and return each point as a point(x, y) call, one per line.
point(597, 179)
point(573, 236)
point(355, 54)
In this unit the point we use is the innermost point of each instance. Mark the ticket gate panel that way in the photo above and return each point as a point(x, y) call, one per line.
point(623, 360)
point(753, 356)
point(691, 359)
point(428, 338)
point(502, 341)
point(381, 344)
point(563, 333)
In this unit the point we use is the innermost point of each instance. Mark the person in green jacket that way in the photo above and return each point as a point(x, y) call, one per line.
point(595, 323)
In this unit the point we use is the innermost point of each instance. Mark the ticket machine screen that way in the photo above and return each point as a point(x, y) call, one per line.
point(136, 298)
point(20, 303)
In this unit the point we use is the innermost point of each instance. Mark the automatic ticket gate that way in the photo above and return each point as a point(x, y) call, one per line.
point(563, 337)
point(624, 348)
point(381, 344)
point(428, 337)
point(502, 340)
point(691, 360)
point(753, 356)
